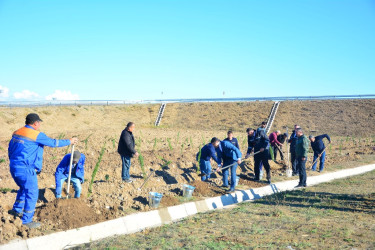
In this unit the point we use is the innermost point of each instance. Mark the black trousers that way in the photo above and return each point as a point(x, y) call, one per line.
point(262, 158)
point(275, 150)
point(301, 167)
point(293, 160)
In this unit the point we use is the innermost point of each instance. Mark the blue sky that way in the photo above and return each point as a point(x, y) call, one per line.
point(132, 50)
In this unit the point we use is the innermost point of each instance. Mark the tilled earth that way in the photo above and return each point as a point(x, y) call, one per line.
point(111, 198)
point(169, 152)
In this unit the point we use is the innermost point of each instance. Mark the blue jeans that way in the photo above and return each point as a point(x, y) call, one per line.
point(126, 163)
point(27, 195)
point(322, 159)
point(233, 174)
point(76, 185)
point(205, 167)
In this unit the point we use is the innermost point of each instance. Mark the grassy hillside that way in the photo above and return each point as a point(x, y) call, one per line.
point(336, 117)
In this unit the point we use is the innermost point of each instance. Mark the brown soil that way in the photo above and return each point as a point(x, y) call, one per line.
point(167, 201)
point(169, 150)
point(206, 189)
point(67, 214)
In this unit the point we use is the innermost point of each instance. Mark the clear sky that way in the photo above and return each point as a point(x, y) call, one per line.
point(132, 50)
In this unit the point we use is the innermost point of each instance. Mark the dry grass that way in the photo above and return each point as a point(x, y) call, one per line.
point(331, 215)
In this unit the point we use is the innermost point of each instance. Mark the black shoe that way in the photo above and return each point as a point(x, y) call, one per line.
point(294, 174)
point(230, 191)
point(15, 214)
point(300, 186)
point(223, 186)
point(269, 181)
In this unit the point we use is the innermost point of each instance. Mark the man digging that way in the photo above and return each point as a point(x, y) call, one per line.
point(318, 147)
point(77, 175)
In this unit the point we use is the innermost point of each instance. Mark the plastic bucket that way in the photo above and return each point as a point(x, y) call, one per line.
point(154, 199)
point(289, 172)
point(237, 180)
point(187, 190)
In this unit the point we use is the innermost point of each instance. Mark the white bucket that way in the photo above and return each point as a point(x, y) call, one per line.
point(154, 199)
point(289, 172)
point(187, 190)
point(237, 180)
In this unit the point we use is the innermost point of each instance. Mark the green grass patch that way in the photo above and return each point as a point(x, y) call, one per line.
point(340, 213)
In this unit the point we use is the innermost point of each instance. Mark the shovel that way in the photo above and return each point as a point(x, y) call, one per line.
point(281, 152)
point(70, 171)
point(289, 171)
point(148, 177)
point(318, 157)
point(216, 170)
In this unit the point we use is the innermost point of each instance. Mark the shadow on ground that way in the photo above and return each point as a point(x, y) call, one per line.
point(322, 200)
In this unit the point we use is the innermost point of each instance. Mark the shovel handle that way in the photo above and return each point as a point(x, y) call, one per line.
point(318, 157)
point(149, 175)
point(70, 171)
point(235, 163)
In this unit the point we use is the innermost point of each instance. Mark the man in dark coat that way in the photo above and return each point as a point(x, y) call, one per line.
point(126, 149)
point(232, 139)
point(318, 147)
point(262, 145)
point(292, 141)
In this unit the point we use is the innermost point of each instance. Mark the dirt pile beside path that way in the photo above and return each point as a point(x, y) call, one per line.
point(204, 189)
point(67, 214)
point(167, 201)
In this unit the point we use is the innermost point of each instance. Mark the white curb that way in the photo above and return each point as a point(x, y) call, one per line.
point(139, 221)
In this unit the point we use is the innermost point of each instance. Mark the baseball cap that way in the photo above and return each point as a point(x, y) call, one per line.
point(32, 117)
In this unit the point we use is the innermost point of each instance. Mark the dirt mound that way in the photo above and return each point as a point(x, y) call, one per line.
point(67, 214)
point(167, 201)
point(203, 189)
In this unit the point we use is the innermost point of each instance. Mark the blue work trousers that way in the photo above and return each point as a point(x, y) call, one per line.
point(76, 185)
point(205, 167)
point(28, 192)
point(233, 174)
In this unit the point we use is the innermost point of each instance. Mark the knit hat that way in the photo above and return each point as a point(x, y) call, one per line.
point(76, 156)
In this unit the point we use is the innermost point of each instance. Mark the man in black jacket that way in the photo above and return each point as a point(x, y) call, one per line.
point(126, 149)
point(232, 139)
point(319, 150)
point(293, 141)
